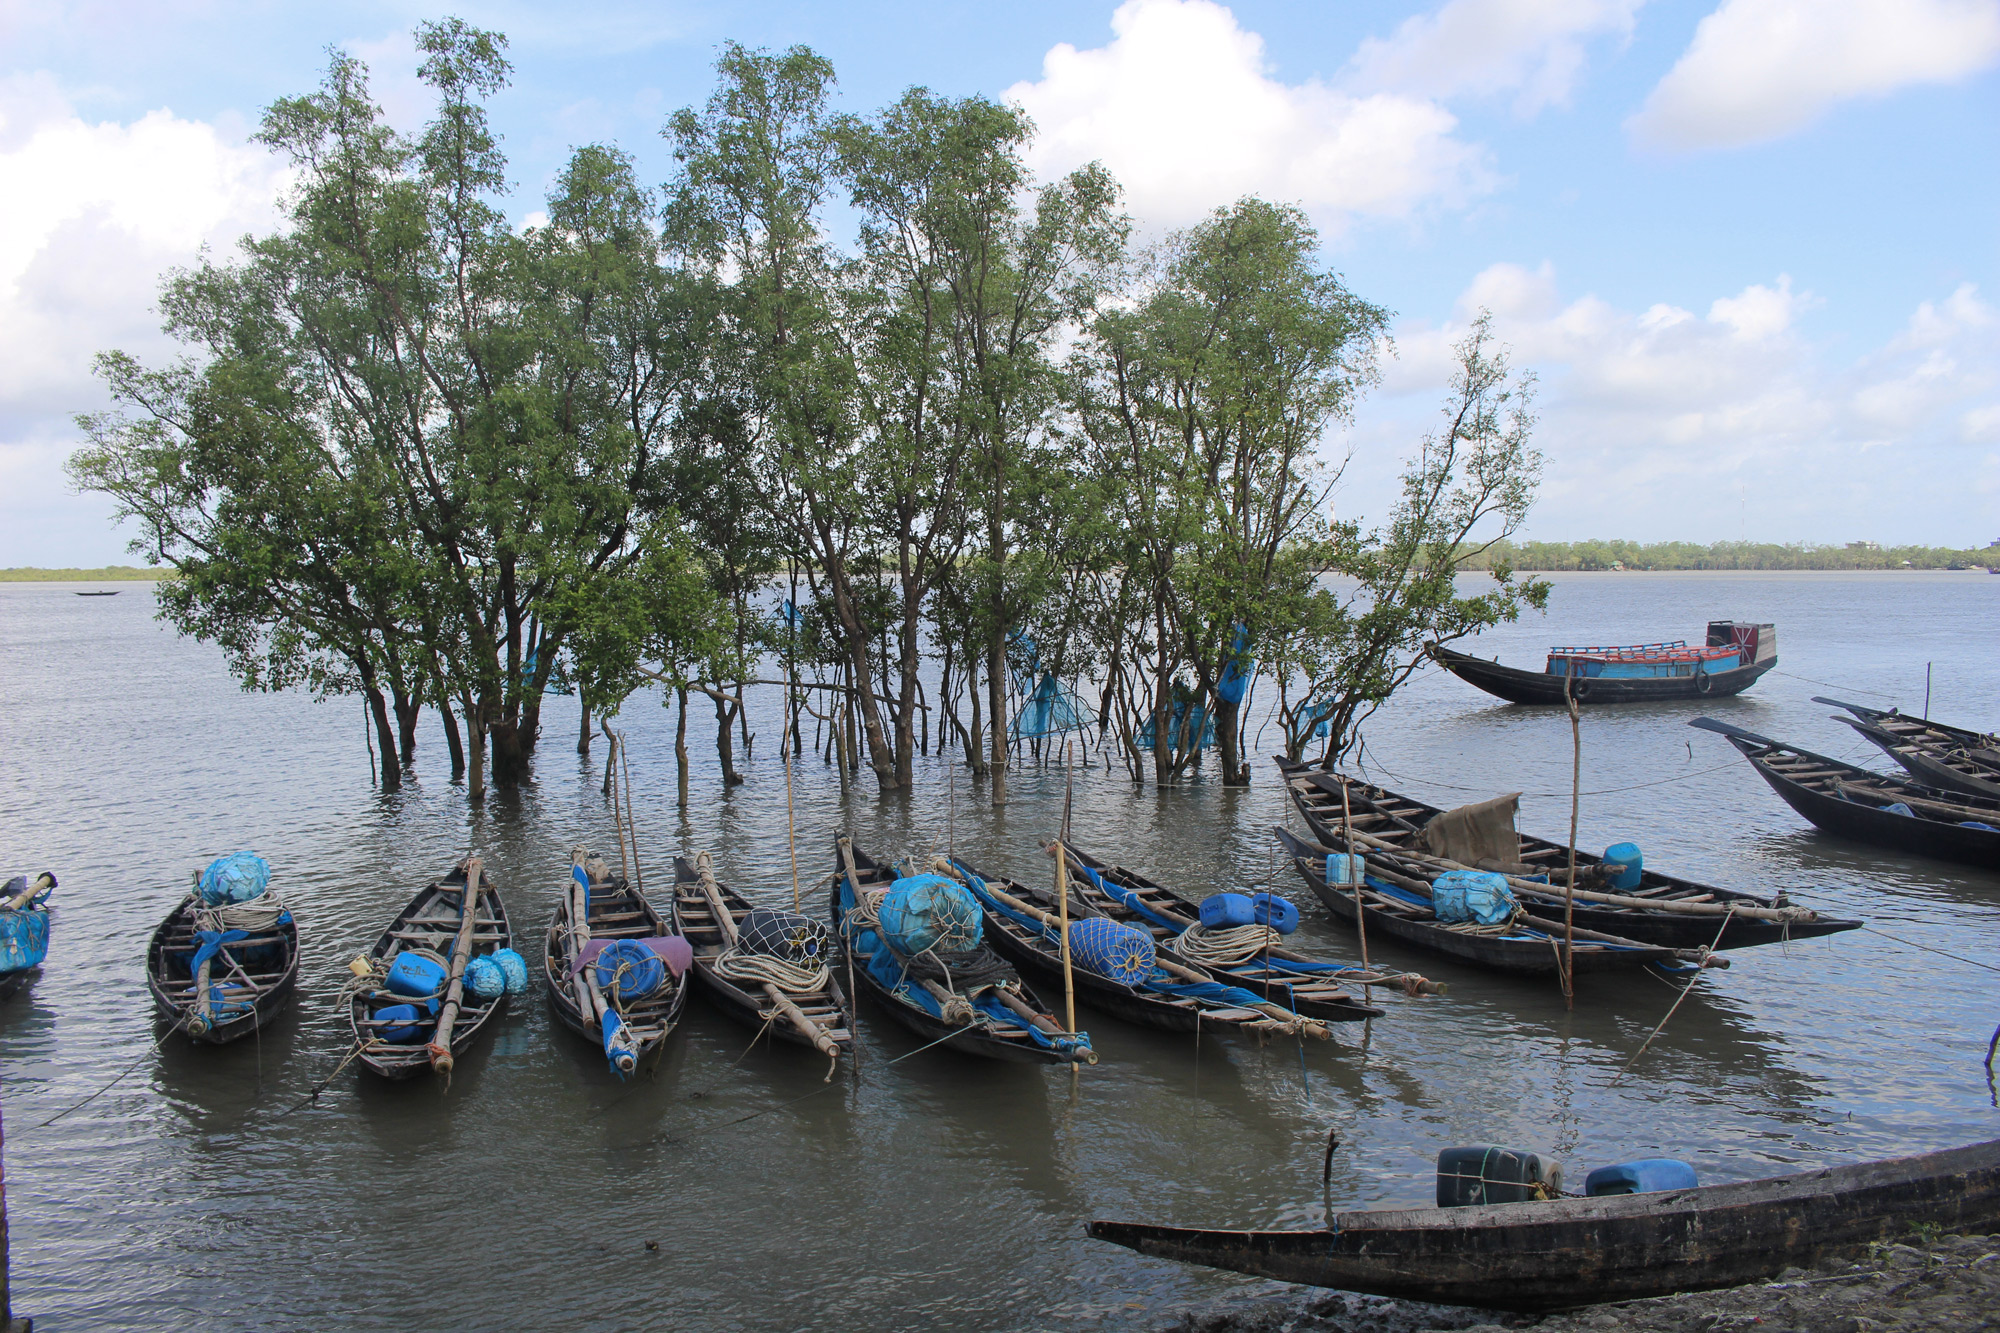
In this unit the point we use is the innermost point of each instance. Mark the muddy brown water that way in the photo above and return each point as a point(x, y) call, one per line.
point(937, 1192)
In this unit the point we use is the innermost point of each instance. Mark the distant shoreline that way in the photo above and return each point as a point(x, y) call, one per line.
point(108, 574)
point(1615, 557)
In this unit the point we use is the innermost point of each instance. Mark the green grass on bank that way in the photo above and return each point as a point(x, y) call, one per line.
point(108, 574)
point(1588, 555)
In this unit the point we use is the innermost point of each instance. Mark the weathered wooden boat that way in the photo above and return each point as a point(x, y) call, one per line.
point(1954, 758)
point(1859, 804)
point(1176, 996)
point(112, 593)
point(219, 973)
point(980, 1008)
point(799, 1003)
point(625, 1002)
point(440, 920)
point(1560, 1254)
point(1660, 909)
point(1266, 966)
point(24, 930)
point(1399, 907)
point(1736, 654)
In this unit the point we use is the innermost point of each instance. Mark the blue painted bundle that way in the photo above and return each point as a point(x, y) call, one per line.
point(930, 912)
point(1472, 896)
point(484, 978)
point(1645, 1176)
point(513, 968)
point(235, 878)
point(1122, 953)
point(1623, 865)
point(629, 970)
point(24, 939)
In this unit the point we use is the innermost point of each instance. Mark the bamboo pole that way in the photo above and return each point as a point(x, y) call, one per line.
point(1062, 899)
point(791, 823)
point(461, 952)
point(1360, 914)
point(726, 922)
point(20, 901)
point(1575, 801)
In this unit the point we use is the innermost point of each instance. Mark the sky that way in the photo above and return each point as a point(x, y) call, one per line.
point(1749, 248)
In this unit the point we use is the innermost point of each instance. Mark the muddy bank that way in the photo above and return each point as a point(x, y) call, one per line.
point(1947, 1285)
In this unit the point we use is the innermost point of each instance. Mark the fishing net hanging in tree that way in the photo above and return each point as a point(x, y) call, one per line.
point(787, 935)
point(1122, 953)
point(930, 912)
point(1052, 710)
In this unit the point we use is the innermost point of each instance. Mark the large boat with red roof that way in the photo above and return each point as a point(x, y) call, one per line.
point(1736, 654)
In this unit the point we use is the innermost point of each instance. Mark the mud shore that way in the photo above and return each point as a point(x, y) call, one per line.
point(1949, 1285)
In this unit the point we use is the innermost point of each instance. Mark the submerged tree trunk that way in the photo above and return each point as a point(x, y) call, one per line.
point(583, 732)
point(452, 740)
point(996, 700)
point(681, 747)
point(385, 734)
point(408, 709)
point(475, 771)
point(510, 755)
point(1229, 743)
point(725, 749)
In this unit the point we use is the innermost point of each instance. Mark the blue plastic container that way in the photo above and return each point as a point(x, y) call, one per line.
point(1344, 871)
point(414, 1022)
point(1277, 913)
point(416, 976)
point(1220, 911)
point(1648, 1175)
point(1623, 864)
point(1487, 1173)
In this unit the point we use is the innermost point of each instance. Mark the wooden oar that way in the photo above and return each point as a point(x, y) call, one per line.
point(461, 954)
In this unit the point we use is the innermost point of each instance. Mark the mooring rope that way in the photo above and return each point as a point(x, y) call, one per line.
point(117, 1078)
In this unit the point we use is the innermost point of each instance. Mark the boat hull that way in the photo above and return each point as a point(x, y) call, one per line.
point(1539, 1257)
point(1538, 687)
point(431, 913)
point(272, 996)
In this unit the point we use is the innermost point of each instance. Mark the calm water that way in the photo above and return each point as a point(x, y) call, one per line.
point(938, 1192)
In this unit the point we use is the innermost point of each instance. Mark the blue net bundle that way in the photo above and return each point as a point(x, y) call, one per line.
point(484, 979)
point(629, 970)
point(513, 969)
point(235, 878)
point(787, 935)
point(1123, 953)
point(1472, 896)
point(930, 912)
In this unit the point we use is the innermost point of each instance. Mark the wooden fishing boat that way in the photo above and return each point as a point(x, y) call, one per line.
point(1954, 758)
point(1660, 909)
point(803, 1006)
point(1278, 972)
point(595, 909)
point(435, 920)
point(1559, 1254)
point(112, 593)
point(1400, 908)
point(220, 974)
point(1736, 655)
point(995, 1015)
point(1854, 803)
point(24, 931)
point(1179, 996)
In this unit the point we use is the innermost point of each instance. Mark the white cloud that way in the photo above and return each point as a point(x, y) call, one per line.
point(1181, 107)
point(1534, 48)
point(95, 214)
point(1760, 69)
point(1650, 420)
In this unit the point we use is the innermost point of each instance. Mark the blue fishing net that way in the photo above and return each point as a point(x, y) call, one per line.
point(924, 912)
point(1122, 953)
point(235, 878)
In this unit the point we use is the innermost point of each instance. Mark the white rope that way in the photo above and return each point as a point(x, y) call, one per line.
point(792, 978)
point(1222, 948)
point(257, 915)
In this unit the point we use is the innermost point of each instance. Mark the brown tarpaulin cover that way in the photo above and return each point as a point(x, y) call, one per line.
point(1474, 835)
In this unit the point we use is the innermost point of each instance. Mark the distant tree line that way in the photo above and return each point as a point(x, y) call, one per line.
point(686, 437)
point(1605, 554)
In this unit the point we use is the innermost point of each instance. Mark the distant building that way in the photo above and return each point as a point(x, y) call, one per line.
point(1873, 546)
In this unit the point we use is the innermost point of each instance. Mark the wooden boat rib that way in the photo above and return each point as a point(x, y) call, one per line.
point(986, 1034)
point(1401, 909)
point(1278, 972)
point(1560, 1254)
point(1688, 915)
point(817, 1018)
point(1954, 758)
point(248, 979)
point(1154, 1005)
point(1520, 686)
point(1851, 802)
point(613, 910)
point(431, 920)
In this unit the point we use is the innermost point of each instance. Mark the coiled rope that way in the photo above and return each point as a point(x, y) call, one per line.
point(259, 914)
point(1223, 948)
point(787, 976)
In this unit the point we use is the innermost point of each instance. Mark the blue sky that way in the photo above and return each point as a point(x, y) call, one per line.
point(1750, 247)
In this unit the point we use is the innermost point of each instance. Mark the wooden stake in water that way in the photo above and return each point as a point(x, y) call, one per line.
point(1062, 900)
point(1927, 691)
point(1360, 912)
point(791, 824)
point(1575, 797)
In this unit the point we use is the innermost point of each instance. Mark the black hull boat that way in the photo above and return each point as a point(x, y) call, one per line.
point(403, 1045)
point(1177, 997)
point(220, 974)
point(1660, 909)
point(588, 998)
point(1855, 803)
point(985, 1033)
point(1736, 655)
point(1954, 758)
point(753, 993)
point(1560, 1254)
point(1281, 974)
point(1400, 908)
